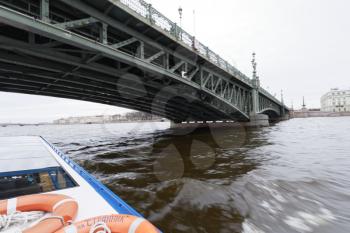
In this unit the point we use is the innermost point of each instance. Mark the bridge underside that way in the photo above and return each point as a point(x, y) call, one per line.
point(40, 71)
point(103, 54)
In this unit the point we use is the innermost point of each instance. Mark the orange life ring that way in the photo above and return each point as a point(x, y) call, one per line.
point(117, 223)
point(63, 208)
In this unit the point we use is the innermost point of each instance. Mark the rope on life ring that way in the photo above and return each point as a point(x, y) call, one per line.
point(63, 208)
point(100, 227)
point(117, 223)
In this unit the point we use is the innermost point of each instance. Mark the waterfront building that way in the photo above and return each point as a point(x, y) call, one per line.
point(336, 100)
point(85, 120)
point(128, 117)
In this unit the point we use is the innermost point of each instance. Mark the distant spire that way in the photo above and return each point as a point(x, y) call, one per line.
point(304, 105)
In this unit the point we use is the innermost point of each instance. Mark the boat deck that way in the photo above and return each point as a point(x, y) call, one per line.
point(30, 165)
point(18, 154)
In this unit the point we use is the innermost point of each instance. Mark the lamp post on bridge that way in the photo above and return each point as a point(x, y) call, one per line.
point(256, 86)
point(255, 118)
point(282, 101)
point(180, 14)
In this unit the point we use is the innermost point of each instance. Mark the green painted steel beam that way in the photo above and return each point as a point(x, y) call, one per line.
point(77, 23)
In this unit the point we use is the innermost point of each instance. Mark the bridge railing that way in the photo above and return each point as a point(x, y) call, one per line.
point(156, 18)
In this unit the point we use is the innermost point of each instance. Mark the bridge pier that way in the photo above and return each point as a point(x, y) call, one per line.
point(257, 120)
point(205, 124)
point(285, 117)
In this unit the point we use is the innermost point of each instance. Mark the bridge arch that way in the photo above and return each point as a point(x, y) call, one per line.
point(271, 113)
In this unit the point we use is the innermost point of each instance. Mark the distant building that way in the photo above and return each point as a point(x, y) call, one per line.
point(315, 110)
point(336, 101)
point(128, 117)
point(86, 120)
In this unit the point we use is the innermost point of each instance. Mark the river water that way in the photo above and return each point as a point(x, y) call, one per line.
point(291, 177)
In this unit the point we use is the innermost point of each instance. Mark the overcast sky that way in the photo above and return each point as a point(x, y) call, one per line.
point(302, 47)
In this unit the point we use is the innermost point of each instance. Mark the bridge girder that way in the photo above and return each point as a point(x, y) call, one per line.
point(53, 73)
point(270, 112)
point(79, 83)
point(267, 105)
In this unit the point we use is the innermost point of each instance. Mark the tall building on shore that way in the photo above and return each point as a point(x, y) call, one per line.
point(336, 100)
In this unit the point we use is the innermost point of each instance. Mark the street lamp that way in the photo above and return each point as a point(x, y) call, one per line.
point(180, 13)
point(282, 99)
point(254, 64)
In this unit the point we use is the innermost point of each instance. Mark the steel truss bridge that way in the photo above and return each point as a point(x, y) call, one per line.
point(123, 53)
